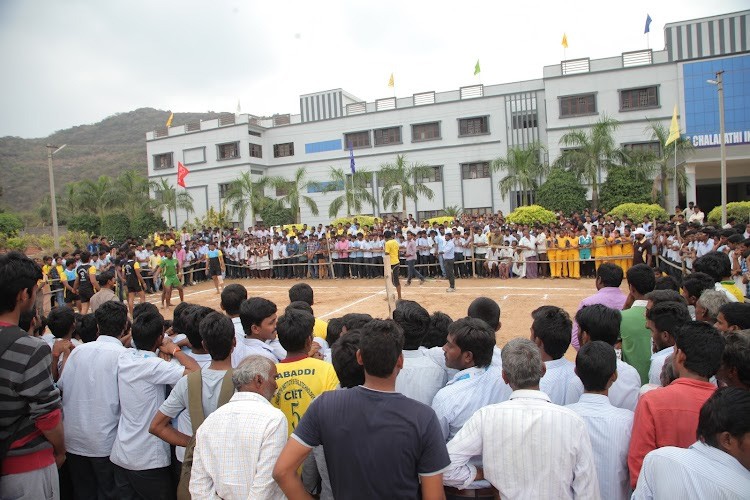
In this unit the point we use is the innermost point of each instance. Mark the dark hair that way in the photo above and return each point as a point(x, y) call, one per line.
point(437, 334)
point(147, 329)
point(104, 278)
point(86, 326)
point(668, 316)
point(85, 256)
point(736, 314)
point(60, 321)
point(301, 291)
point(600, 322)
point(353, 321)
point(178, 317)
point(737, 354)
point(487, 310)
point(232, 297)
point(641, 277)
point(145, 308)
point(553, 327)
point(414, 320)
point(388, 234)
point(610, 275)
point(299, 305)
point(595, 364)
point(662, 296)
point(666, 283)
point(723, 412)
point(17, 272)
point(475, 336)
point(695, 283)
point(715, 264)
point(26, 317)
point(191, 320)
point(333, 331)
point(344, 359)
point(295, 328)
point(254, 310)
point(703, 346)
point(380, 347)
point(111, 318)
point(217, 333)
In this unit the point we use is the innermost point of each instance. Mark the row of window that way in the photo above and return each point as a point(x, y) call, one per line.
point(478, 125)
point(630, 100)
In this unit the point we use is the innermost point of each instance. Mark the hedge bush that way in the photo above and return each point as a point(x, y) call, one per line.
point(10, 224)
point(363, 220)
point(562, 191)
point(116, 227)
point(740, 210)
point(531, 215)
point(443, 219)
point(88, 223)
point(637, 211)
point(623, 186)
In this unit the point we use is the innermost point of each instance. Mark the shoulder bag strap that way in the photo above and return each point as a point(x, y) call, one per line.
point(195, 400)
point(227, 389)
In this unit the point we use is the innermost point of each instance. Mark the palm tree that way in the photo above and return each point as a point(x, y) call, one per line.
point(402, 181)
point(523, 170)
point(132, 191)
point(169, 199)
point(663, 162)
point(452, 211)
point(356, 193)
point(246, 195)
point(71, 202)
point(592, 152)
point(293, 197)
point(97, 196)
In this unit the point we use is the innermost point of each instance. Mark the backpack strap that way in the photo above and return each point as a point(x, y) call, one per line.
point(195, 399)
point(227, 389)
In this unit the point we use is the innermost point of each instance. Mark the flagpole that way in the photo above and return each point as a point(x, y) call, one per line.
point(676, 194)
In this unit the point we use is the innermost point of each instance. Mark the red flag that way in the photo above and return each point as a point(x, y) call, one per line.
point(182, 171)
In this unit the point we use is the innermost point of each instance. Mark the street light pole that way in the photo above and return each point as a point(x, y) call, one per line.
point(720, 87)
point(51, 150)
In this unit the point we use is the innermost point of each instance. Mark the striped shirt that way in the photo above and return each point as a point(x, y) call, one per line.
point(700, 471)
point(609, 429)
point(557, 378)
point(529, 448)
point(420, 378)
point(623, 393)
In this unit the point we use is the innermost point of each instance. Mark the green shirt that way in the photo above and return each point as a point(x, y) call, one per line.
point(636, 340)
point(169, 267)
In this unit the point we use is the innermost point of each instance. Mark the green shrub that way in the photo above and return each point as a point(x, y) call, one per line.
point(637, 211)
point(74, 239)
point(531, 215)
point(15, 243)
point(623, 186)
point(116, 227)
point(562, 191)
point(88, 223)
point(145, 224)
point(10, 224)
point(363, 220)
point(740, 210)
point(443, 219)
point(275, 214)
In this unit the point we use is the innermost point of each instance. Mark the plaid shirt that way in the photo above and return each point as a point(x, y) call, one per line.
point(312, 248)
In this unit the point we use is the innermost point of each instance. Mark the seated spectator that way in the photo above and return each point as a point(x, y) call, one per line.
point(550, 331)
point(735, 362)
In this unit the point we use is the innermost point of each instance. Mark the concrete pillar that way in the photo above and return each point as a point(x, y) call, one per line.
point(690, 193)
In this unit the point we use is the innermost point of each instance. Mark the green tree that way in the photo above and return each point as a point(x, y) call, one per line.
point(403, 181)
point(522, 168)
point(562, 191)
point(246, 196)
point(87, 222)
point(624, 185)
point(131, 189)
point(116, 227)
point(663, 163)
point(97, 196)
point(10, 224)
point(356, 193)
point(169, 199)
point(452, 211)
point(274, 213)
point(70, 200)
point(293, 197)
point(592, 153)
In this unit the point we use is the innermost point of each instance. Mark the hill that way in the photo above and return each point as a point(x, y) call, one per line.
point(106, 148)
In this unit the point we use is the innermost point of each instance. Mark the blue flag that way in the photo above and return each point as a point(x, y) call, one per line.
point(648, 24)
point(351, 158)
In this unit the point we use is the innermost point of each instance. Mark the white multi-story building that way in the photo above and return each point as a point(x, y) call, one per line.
point(459, 133)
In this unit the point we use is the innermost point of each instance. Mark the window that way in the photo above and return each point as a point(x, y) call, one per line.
point(477, 211)
point(253, 133)
point(425, 132)
point(284, 190)
point(194, 155)
point(228, 151)
point(285, 149)
point(473, 126)
point(256, 150)
point(357, 139)
point(428, 214)
point(524, 119)
point(644, 98)
point(577, 105)
point(475, 170)
point(163, 161)
point(384, 136)
point(435, 175)
point(224, 189)
point(645, 147)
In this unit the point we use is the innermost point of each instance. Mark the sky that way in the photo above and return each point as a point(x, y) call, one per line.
point(75, 62)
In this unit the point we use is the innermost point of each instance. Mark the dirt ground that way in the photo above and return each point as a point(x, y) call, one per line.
point(517, 297)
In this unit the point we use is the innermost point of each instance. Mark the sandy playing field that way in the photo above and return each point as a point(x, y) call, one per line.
point(517, 297)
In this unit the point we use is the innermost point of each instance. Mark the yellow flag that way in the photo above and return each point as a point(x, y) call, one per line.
point(477, 69)
point(390, 81)
point(674, 129)
point(565, 41)
point(169, 120)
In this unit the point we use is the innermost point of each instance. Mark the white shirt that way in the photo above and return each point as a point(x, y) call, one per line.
point(623, 393)
point(420, 378)
point(657, 362)
point(91, 402)
point(700, 471)
point(609, 430)
point(557, 378)
point(142, 380)
point(248, 347)
point(236, 449)
point(530, 449)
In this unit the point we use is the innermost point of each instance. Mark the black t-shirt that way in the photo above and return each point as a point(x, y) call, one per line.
point(84, 282)
point(641, 251)
point(376, 443)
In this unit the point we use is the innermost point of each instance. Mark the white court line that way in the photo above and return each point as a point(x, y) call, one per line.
point(352, 304)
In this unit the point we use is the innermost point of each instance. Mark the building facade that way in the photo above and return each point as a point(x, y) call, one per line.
point(459, 133)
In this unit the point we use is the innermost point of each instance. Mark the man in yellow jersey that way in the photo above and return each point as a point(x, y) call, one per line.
point(563, 245)
point(573, 258)
point(553, 254)
point(391, 250)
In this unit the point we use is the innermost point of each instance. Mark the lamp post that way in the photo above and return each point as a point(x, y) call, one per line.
point(51, 150)
point(719, 82)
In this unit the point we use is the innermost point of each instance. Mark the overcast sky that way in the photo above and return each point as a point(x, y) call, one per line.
point(75, 62)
